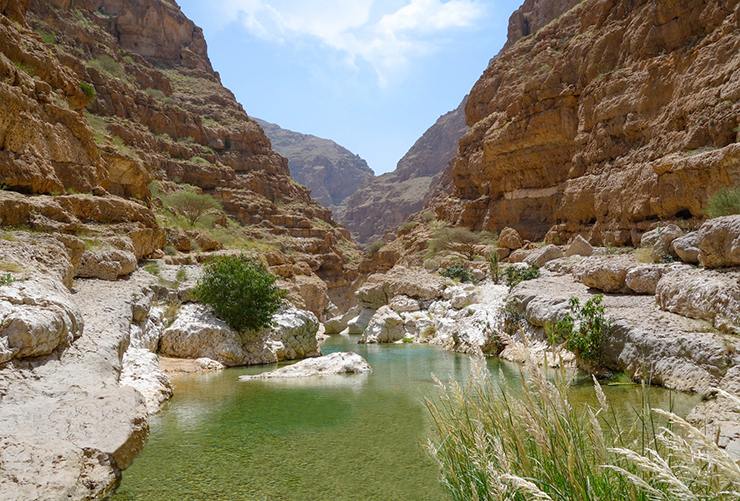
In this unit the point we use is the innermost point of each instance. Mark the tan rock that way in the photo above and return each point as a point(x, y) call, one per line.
point(204, 240)
point(519, 255)
point(106, 265)
point(703, 294)
point(644, 279)
point(687, 247)
point(719, 242)
point(660, 240)
point(606, 273)
point(579, 247)
point(509, 239)
point(543, 255)
point(386, 326)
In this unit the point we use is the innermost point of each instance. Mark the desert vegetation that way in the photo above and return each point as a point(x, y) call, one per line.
point(724, 202)
point(494, 441)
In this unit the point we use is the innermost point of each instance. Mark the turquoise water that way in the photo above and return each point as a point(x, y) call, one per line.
point(332, 438)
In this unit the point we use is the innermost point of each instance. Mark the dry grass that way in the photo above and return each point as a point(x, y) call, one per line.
point(491, 445)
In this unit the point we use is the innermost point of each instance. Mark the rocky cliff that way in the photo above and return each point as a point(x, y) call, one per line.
point(332, 172)
point(387, 200)
point(103, 97)
point(609, 118)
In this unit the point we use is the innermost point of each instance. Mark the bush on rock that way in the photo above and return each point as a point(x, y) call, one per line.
point(241, 292)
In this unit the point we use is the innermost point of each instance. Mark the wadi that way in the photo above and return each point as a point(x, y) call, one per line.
point(574, 222)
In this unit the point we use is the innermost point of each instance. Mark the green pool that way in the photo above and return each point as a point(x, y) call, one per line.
point(333, 438)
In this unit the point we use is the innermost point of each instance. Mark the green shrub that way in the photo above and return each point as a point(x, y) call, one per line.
point(6, 279)
point(191, 205)
point(584, 330)
point(240, 291)
point(409, 225)
point(724, 202)
point(89, 91)
point(494, 267)
point(107, 64)
point(374, 247)
point(514, 275)
point(513, 319)
point(457, 271)
point(428, 217)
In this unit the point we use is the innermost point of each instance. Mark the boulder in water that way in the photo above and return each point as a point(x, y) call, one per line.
point(334, 363)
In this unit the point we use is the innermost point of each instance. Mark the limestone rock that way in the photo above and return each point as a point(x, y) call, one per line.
point(509, 239)
point(719, 241)
point(337, 324)
point(644, 279)
point(372, 294)
point(386, 326)
point(38, 316)
point(660, 240)
point(460, 296)
point(703, 294)
point(519, 255)
point(107, 265)
point(307, 292)
point(579, 247)
point(358, 324)
point(543, 255)
point(205, 241)
point(141, 371)
point(687, 247)
point(403, 304)
point(606, 273)
point(196, 333)
point(332, 364)
point(673, 350)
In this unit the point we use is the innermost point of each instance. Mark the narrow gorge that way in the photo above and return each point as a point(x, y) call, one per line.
point(583, 167)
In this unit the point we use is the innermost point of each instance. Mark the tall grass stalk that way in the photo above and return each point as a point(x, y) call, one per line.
point(495, 442)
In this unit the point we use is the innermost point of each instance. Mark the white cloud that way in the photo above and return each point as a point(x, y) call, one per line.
point(345, 25)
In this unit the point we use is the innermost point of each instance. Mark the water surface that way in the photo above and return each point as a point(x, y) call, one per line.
point(332, 438)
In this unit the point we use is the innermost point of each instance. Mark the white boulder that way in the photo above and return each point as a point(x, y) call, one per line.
point(332, 364)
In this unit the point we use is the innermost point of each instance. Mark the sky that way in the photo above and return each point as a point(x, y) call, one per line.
point(371, 75)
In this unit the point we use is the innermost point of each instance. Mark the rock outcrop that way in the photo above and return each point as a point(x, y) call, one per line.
point(196, 333)
point(332, 172)
point(387, 200)
point(600, 122)
point(328, 365)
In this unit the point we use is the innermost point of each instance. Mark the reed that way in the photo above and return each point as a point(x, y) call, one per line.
point(493, 442)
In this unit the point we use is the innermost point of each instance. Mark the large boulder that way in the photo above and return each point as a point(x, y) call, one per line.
point(107, 265)
point(386, 326)
point(332, 364)
point(606, 273)
point(373, 294)
point(719, 241)
point(197, 333)
point(644, 279)
point(579, 247)
point(359, 323)
point(660, 240)
point(543, 255)
point(37, 316)
point(687, 247)
point(703, 294)
point(509, 239)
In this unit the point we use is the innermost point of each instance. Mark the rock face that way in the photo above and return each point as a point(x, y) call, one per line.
point(332, 364)
point(672, 350)
point(719, 242)
point(152, 109)
point(196, 333)
point(571, 134)
point(387, 200)
point(332, 172)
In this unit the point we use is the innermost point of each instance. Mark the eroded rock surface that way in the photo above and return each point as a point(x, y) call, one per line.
point(332, 364)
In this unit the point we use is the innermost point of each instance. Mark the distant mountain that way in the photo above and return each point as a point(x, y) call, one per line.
point(387, 200)
point(332, 172)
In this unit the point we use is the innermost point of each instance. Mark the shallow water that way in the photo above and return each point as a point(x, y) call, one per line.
point(332, 438)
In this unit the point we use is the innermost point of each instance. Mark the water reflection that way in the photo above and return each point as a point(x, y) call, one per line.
point(354, 437)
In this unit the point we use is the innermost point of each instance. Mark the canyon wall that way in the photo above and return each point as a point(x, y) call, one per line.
point(387, 200)
point(331, 171)
point(609, 118)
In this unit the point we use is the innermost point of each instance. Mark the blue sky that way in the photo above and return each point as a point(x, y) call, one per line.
point(371, 75)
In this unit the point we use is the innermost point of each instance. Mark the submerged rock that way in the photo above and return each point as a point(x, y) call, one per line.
point(334, 363)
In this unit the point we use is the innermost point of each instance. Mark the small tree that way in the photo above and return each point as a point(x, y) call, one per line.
point(191, 205)
point(459, 239)
point(241, 292)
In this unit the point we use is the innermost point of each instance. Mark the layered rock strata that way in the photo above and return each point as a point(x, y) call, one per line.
point(387, 200)
point(605, 120)
point(332, 172)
